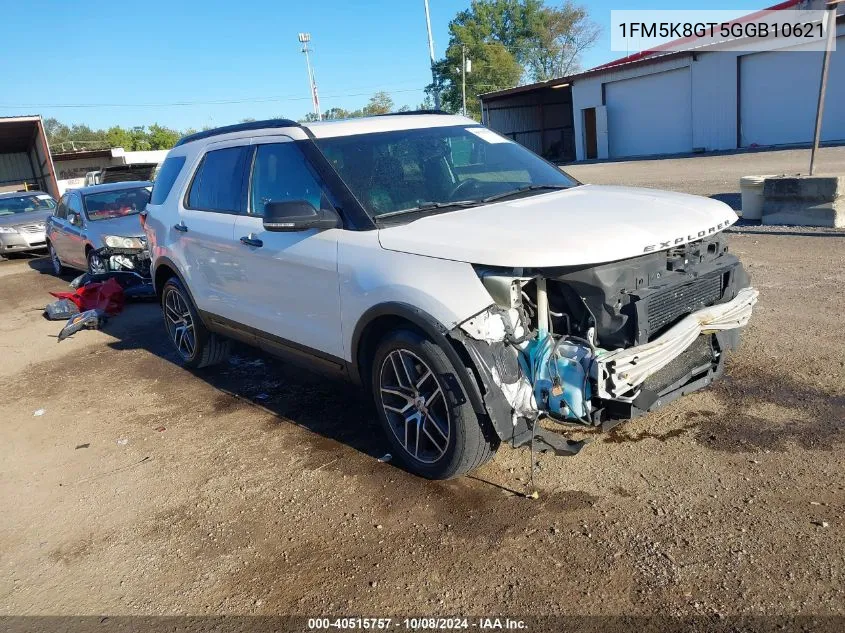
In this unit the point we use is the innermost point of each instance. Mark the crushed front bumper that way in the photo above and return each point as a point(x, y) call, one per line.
point(620, 373)
point(128, 260)
point(626, 383)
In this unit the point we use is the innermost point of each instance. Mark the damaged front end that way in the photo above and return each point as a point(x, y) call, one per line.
point(125, 260)
point(130, 267)
point(595, 345)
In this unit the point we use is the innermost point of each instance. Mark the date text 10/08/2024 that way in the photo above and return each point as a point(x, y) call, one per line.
point(417, 624)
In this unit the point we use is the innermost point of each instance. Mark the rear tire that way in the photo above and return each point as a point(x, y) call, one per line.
point(58, 268)
point(196, 345)
point(433, 430)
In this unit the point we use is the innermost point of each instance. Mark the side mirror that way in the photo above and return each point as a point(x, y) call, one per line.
point(298, 215)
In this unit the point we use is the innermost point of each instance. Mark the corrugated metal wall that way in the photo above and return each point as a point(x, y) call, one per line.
point(777, 104)
point(778, 97)
point(588, 92)
point(651, 114)
point(15, 168)
point(521, 123)
point(540, 120)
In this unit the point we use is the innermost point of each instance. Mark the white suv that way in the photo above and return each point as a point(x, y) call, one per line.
point(473, 287)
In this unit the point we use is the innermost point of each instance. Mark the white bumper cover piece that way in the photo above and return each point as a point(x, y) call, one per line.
point(621, 372)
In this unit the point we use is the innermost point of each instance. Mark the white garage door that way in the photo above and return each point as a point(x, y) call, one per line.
point(650, 114)
point(779, 92)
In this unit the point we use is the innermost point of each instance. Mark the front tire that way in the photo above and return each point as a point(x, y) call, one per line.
point(433, 430)
point(196, 345)
point(96, 264)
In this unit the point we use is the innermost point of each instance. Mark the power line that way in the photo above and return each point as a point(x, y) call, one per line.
point(195, 103)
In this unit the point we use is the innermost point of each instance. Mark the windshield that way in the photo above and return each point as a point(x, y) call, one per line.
point(116, 204)
point(416, 170)
point(26, 203)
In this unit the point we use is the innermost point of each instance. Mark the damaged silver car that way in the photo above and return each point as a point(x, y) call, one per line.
point(98, 229)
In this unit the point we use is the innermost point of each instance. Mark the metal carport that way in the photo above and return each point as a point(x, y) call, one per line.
point(25, 161)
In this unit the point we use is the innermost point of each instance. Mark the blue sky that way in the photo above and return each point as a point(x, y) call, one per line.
point(131, 61)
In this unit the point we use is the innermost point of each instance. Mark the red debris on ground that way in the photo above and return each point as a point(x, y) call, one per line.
point(106, 296)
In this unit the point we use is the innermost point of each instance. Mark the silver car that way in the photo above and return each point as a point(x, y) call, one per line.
point(22, 218)
point(98, 225)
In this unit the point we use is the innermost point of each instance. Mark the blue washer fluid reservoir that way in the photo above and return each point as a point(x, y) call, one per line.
point(560, 376)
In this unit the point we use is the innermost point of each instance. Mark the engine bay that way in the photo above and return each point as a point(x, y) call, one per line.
point(596, 344)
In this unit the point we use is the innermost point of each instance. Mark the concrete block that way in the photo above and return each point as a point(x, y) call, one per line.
point(804, 201)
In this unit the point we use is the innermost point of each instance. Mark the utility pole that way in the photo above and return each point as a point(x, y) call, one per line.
point(466, 66)
point(304, 39)
point(431, 54)
point(829, 43)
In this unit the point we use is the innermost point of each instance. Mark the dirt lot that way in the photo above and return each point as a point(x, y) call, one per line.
point(264, 495)
point(716, 175)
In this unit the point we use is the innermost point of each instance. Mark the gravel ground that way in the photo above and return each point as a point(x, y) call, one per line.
point(255, 488)
point(716, 176)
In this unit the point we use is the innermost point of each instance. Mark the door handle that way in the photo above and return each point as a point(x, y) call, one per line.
point(251, 240)
point(181, 227)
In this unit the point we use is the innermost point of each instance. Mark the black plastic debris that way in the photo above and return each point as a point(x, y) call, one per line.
point(89, 320)
point(80, 281)
point(134, 286)
point(127, 268)
point(60, 310)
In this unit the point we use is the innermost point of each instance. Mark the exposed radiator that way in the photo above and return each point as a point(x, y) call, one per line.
point(666, 307)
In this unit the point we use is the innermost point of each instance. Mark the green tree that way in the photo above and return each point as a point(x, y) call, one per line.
point(64, 138)
point(333, 114)
point(493, 68)
point(427, 103)
point(562, 35)
point(139, 138)
point(493, 34)
point(57, 132)
point(509, 41)
point(119, 137)
point(160, 137)
point(380, 103)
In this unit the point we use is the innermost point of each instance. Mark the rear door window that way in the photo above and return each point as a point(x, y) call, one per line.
point(167, 174)
point(218, 182)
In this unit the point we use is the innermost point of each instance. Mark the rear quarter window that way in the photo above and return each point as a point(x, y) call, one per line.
point(167, 175)
point(218, 182)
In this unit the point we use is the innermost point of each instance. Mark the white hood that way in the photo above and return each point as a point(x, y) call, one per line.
point(589, 224)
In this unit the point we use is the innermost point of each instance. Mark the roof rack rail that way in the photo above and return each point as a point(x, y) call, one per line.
point(238, 127)
point(414, 112)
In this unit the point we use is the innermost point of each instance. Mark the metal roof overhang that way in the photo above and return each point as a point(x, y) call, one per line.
point(17, 133)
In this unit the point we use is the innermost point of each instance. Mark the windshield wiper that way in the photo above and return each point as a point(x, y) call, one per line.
point(513, 192)
point(463, 204)
point(429, 206)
